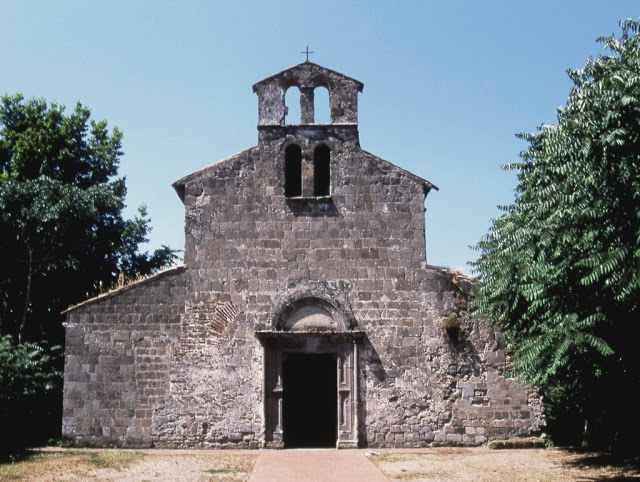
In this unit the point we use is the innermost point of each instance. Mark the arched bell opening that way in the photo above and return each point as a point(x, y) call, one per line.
point(293, 171)
point(321, 105)
point(321, 171)
point(292, 109)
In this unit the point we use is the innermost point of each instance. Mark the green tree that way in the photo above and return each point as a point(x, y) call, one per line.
point(30, 387)
point(62, 239)
point(560, 268)
point(62, 233)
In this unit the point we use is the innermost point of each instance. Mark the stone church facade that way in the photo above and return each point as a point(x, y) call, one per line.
point(305, 313)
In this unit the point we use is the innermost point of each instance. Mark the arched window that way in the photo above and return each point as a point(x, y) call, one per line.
point(321, 105)
point(292, 105)
point(293, 171)
point(321, 170)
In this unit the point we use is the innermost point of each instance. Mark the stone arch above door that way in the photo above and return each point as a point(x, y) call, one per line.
point(311, 312)
point(308, 317)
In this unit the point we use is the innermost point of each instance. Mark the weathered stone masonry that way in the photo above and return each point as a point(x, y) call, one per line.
point(282, 269)
point(118, 351)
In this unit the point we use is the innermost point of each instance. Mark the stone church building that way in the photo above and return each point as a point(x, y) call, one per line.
point(305, 314)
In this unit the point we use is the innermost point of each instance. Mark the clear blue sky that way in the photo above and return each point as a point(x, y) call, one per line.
point(447, 85)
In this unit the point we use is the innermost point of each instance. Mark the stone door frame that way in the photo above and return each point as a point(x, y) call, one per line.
point(344, 347)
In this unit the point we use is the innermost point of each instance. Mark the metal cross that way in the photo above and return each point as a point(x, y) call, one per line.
point(307, 52)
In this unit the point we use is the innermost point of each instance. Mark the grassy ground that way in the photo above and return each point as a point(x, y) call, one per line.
point(125, 465)
point(450, 463)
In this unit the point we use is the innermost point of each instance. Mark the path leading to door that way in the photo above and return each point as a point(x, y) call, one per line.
point(315, 465)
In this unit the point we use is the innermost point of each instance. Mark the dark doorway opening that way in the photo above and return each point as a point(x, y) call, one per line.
point(310, 400)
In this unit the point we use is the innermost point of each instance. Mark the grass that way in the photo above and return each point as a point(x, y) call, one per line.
point(41, 464)
point(236, 467)
point(220, 471)
point(402, 466)
point(115, 464)
point(510, 464)
point(388, 459)
point(115, 459)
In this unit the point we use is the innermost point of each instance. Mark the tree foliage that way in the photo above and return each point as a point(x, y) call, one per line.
point(62, 233)
point(27, 370)
point(560, 268)
point(30, 387)
point(62, 239)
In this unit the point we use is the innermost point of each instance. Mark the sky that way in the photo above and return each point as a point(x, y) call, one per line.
point(447, 85)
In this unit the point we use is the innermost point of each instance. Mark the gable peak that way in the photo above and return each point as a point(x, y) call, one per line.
point(307, 76)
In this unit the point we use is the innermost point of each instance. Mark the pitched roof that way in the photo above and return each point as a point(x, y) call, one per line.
point(390, 165)
point(127, 287)
point(307, 67)
point(180, 183)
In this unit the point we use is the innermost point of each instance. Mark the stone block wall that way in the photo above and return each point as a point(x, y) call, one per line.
point(117, 357)
point(248, 248)
point(175, 361)
point(189, 371)
point(428, 389)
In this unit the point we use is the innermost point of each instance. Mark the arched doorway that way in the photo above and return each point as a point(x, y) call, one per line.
point(310, 377)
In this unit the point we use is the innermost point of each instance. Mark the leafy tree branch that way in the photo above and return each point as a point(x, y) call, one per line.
point(560, 268)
